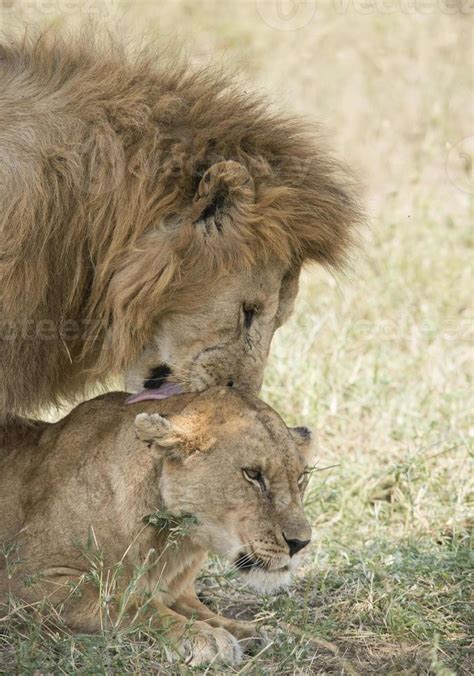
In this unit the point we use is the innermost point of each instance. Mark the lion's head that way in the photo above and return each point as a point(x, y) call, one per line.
point(205, 293)
point(202, 294)
point(231, 462)
point(224, 341)
point(234, 290)
point(162, 237)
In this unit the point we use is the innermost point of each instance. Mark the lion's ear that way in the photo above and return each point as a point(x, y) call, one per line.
point(168, 434)
point(224, 187)
point(303, 438)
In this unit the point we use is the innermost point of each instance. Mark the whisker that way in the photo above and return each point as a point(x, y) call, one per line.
point(310, 470)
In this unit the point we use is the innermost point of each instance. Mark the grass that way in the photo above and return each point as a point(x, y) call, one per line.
point(378, 362)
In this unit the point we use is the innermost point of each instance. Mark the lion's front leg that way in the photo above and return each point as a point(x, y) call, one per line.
point(190, 606)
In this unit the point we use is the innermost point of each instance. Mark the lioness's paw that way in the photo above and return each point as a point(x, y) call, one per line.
point(208, 645)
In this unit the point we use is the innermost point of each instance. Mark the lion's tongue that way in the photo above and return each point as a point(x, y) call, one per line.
point(163, 392)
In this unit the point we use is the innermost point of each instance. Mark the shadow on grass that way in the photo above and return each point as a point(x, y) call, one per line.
point(379, 608)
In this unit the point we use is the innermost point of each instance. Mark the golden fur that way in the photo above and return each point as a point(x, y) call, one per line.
point(135, 188)
point(82, 491)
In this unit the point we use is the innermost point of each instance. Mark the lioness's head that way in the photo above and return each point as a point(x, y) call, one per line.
point(231, 462)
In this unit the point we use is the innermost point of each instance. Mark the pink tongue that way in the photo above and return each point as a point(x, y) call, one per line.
point(163, 392)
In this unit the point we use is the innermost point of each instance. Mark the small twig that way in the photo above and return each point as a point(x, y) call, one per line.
point(255, 657)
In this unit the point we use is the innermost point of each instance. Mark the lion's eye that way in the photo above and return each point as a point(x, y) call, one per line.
point(255, 476)
point(250, 311)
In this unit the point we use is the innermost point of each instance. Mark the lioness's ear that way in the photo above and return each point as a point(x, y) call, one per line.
point(225, 186)
point(155, 430)
point(303, 438)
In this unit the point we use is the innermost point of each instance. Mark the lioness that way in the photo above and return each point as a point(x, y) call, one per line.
point(103, 476)
point(154, 219)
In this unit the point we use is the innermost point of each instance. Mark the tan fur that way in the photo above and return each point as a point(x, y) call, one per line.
point(74, 497)
point(135, 189)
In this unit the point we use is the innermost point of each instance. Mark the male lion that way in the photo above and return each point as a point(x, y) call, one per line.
point(104, 474)
point(153, 221)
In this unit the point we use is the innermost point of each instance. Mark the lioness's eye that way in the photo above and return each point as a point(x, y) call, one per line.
point(255, 476)
point(249, 314)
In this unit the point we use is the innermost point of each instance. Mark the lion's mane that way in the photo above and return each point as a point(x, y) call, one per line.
point(105, 165)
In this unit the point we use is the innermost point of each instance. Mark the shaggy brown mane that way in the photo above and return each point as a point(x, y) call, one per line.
point(105, 160)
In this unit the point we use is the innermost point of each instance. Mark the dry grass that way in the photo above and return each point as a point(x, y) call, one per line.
point(378, 362)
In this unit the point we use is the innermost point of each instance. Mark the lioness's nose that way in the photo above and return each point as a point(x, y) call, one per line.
point(295, 545)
